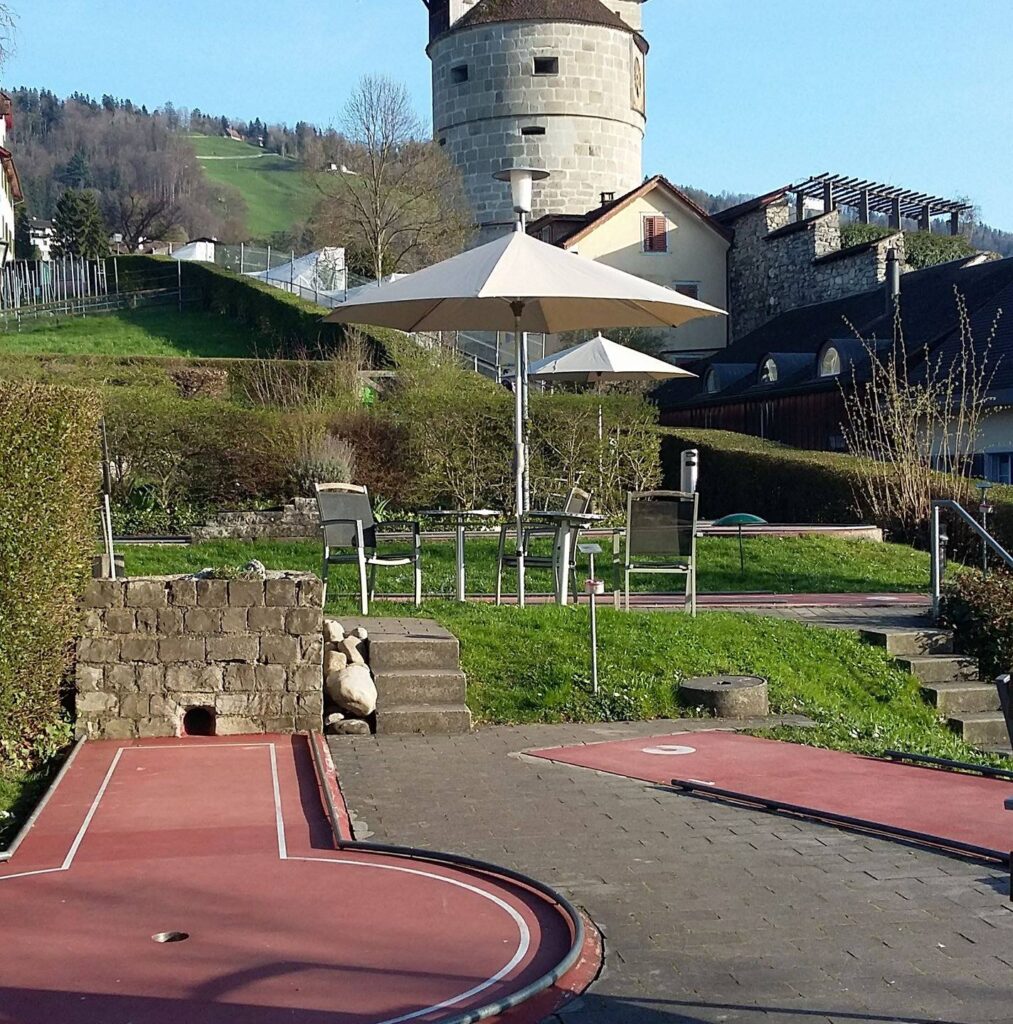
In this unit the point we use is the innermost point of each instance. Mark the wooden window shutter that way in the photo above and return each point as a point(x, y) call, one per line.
point(655, 234)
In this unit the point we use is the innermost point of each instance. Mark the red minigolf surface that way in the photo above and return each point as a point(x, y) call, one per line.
point(228, 842)
point(951, 807)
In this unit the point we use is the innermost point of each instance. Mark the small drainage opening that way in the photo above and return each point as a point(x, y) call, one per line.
point(199, 722)
point(170, 936)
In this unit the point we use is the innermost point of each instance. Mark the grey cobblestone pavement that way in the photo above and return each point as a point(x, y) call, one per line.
point(709, 913)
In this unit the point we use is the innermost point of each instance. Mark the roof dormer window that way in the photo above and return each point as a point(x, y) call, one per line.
point(768, 371)
point(830, 363)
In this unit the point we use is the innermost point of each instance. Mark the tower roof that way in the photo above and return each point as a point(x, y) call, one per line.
point(591, 12)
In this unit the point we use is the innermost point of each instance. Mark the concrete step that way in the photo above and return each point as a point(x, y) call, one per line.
point(962, 696)
point(436, 686)
point(432, 719)
point(939, 668)
point(980, 728)
point(410, 654)
point(900, 642)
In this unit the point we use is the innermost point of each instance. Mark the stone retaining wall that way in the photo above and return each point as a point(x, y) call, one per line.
point(298, 520)
point(249, 651)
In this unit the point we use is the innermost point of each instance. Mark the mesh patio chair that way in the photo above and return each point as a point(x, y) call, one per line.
point(577, 502)
point(660, 537)
point(352, 536)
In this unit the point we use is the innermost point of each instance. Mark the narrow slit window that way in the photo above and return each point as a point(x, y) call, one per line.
point(533, 129)
point(546, 65)
point(459, 74)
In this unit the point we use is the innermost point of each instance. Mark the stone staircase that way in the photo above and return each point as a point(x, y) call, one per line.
point(419, 683)
point(951, 682)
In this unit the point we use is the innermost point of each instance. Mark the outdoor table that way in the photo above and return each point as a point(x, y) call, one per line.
point(565, 521)
point(460, 517)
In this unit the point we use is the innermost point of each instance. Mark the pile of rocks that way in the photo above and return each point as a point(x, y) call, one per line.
point(348, 682)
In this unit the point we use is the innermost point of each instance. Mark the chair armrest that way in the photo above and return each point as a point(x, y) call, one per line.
point(412, 525)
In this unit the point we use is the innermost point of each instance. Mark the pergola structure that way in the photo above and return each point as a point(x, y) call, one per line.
point(869, 197)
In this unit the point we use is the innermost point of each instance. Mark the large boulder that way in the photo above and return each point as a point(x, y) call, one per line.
point(334, 632)
point(334, 661)
point(350, 648)
point(353, 690)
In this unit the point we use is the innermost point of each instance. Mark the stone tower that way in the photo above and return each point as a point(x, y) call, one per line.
point(554, 84)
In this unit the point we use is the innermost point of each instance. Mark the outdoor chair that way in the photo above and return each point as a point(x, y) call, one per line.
point(577, 502)
point(660, 537)
point(352, 536)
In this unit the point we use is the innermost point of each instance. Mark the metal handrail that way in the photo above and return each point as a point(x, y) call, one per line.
point(937, 538)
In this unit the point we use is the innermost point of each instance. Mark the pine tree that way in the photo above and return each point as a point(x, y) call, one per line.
point(78, 226)
point(77, 173)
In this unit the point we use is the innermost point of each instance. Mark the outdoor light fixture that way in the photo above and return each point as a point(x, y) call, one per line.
point(521, 180)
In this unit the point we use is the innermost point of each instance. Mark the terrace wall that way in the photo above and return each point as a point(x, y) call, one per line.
point(251, 651)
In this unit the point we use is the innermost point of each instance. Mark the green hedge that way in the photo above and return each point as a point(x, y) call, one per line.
point(740, 473)
point(980, 611)
point(293, 325)
point(48, 496)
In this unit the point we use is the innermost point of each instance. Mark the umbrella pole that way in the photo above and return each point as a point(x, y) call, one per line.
point(520, 459)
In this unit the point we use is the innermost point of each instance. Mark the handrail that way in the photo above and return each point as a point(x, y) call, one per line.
point(938, 566)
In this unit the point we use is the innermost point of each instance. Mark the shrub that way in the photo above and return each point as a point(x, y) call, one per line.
point(322, 457)
point(48, 495)
point(979, 609)
point(740, 473)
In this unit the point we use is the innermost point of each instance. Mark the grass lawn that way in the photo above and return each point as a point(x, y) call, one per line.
point(773, 565)
point(161, 331)
point(276, 192)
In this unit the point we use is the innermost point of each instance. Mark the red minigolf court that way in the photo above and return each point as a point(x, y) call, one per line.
point(227, 843)
point(948, 808)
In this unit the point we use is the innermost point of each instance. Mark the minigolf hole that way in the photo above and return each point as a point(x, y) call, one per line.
point(199, 722)
point(170, 936)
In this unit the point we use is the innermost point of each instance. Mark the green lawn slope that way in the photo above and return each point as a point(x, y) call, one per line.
point(276, 192)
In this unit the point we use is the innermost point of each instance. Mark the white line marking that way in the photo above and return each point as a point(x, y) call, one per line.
point(668, 750)
point(524, 933)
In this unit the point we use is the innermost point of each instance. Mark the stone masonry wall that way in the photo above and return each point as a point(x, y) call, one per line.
point(772, 272)
point(298, 520)
point(251, 651)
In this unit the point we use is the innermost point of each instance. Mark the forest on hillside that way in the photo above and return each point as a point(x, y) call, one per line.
point(142, 166)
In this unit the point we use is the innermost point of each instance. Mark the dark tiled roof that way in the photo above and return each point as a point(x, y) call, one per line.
point(592, 12)
point(929, 315)
point(733, 213)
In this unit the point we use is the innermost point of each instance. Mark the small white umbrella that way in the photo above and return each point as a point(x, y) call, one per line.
point(521, 284)
point(600, 361)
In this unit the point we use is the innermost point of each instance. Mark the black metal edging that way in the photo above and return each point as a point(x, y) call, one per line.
point(522, 995)
point(6, 855)
point(846, 821)
point(984, 770)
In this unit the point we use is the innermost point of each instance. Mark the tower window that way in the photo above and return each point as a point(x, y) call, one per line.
point(546, 65)
point(655, 234)
point(533, 130)
point(459, 74)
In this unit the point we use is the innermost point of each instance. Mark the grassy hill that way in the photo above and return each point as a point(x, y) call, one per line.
point(276, 193)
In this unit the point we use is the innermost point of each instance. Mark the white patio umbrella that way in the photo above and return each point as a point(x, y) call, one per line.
point(521, 284)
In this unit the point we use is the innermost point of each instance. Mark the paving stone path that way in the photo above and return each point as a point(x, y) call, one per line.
point(709, 913)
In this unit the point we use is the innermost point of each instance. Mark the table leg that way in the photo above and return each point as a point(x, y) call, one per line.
point(563, 590)
point(460, 560)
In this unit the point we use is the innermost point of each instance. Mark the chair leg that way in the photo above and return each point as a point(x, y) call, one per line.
point(499, 582)
point(417, 564)
point(576, 592)
point(626, 590)
point(324, 574)
point(692, 580)
point(363, 587)
point(372, 583)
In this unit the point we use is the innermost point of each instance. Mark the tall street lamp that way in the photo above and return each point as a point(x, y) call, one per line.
point(521, 180)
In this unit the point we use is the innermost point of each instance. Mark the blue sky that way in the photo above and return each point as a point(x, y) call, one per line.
point(744, 96)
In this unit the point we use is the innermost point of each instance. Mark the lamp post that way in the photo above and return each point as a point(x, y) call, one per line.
point(521, 181)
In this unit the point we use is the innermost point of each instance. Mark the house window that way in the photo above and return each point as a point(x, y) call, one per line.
point(689, 288)
point(768, 372)
point(533, 129)
point(830, 364)
point(546, 65)
point(655, 234)
point(459, 74)
point(999, 467)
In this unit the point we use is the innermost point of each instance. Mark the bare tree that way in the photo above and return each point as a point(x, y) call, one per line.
point(8, 26)
point(917, 415)
point(400, 204)
point(137, 215)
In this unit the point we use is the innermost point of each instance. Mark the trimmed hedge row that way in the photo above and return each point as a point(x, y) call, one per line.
point(739, 473)
point(979, 609)
point(293, 325)
point(49, 484)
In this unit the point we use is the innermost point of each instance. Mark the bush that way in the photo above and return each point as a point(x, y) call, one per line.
point(48, 496)
point(921, 248)
point(979, 609)
point(740, 473)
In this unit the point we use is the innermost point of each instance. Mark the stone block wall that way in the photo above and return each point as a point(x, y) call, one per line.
point(251, 652)
point(298, 520)
point(775, 265)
